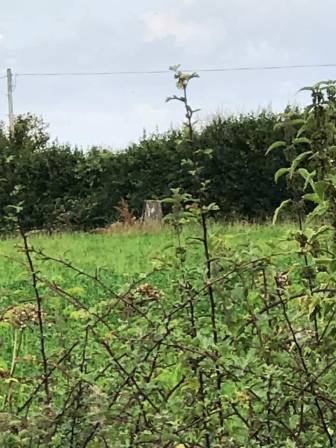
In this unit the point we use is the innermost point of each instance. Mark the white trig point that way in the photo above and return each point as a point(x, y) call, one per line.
point(152, 211)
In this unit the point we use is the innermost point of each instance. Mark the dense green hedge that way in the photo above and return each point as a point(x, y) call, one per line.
point(63, 186)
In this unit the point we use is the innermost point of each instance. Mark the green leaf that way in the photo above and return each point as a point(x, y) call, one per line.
point(308, 88)
point(332, 179)
point(211, 207)
point(208, 151)
point(320, 188)
point(319, 211)
point(307, 176)
point(296, 121)
point(80, 314)
point(321, 230)
point(325, 260)
point(275, 145)
point(302, 130)
point(300, 140)
point(279, 173)
point(170, 376)
point(278, 210)
point(296, 162)
point(312, 197)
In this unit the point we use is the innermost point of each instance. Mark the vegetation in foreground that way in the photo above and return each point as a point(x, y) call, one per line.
point(228, 342)
point(138, 273)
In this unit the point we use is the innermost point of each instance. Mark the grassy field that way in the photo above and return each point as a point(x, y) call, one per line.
point(123, 253)
point(122, 259)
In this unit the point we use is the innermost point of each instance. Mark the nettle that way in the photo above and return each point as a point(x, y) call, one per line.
point(238, 350)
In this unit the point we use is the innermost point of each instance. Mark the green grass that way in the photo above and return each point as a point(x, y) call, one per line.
point(122, 258)
point(124, 253)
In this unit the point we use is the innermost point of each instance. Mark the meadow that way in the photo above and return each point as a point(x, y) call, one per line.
point(127, 253)
point(103, 283)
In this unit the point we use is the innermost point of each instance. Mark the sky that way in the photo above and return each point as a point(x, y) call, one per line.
point(45, 36)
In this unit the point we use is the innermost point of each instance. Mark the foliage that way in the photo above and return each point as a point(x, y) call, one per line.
point(237, 349)
point(65, 188)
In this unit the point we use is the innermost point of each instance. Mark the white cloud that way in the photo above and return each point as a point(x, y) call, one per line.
point(160, 25)
point(167, 24)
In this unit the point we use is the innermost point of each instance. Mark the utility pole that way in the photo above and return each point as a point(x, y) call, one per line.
point(10, 99)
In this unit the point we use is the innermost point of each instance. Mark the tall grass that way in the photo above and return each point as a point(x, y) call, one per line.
point(122, 253)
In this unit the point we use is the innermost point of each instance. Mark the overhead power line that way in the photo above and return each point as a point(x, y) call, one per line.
point(134, 72)
point(158, 72)
point(11, 76)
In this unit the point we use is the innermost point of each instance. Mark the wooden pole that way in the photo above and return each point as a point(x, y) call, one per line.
point(10, 99)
